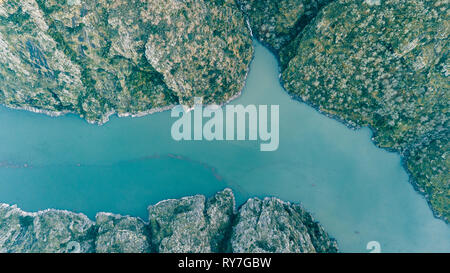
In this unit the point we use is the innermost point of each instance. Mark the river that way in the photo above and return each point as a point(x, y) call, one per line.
point(360, 193)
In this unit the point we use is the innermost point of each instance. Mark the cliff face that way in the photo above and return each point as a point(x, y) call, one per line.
point(190, 224)
point(95, 58)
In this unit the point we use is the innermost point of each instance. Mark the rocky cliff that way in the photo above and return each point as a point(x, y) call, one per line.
point(383, 64)
point(276, 23)
point(95, 58)
point(194, 224)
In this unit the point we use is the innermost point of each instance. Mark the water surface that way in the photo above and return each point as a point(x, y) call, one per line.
point(358, 192)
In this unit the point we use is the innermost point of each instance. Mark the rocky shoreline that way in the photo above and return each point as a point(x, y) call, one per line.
point(193, 224)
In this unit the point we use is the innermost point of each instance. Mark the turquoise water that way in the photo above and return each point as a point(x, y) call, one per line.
point(358, 192)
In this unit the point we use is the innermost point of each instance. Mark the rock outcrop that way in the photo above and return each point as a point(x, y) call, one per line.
point(275, 23)
point(272, 226)
point(377, 63)
point(190, 224)
point(120, 234)
point(95, 58)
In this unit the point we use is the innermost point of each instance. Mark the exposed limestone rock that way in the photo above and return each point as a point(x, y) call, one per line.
point(89, 57)
point(120, 234)
point(382, 64)
point(276, 23)
point(192, 224)
point(271, 225)
point(48, 231)
point(189, 224)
